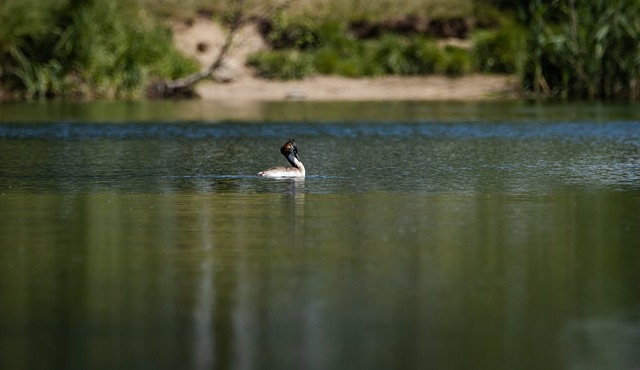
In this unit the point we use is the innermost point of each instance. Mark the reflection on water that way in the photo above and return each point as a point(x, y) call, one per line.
point(424, 244)
point(296, 111)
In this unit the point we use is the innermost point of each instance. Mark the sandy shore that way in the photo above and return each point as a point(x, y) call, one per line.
point(472, 87)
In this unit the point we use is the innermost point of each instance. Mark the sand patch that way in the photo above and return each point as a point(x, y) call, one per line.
point(472, 87)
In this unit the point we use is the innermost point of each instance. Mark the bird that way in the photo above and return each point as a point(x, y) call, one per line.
point(290, 151)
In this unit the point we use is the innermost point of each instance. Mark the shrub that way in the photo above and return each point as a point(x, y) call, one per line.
point(456, 61)
point(91, 49)
point(328, 48)
point(587, 50)
point(281, 64)
point(327, 60)
point(423, 57)
point(499, 51)
point(390, 55)
point(285, 32)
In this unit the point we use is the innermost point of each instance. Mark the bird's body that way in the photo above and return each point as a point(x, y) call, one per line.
point(290, 151)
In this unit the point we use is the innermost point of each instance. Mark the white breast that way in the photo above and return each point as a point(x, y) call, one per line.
point(276, 172)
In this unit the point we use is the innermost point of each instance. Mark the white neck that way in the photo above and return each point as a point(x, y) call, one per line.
point(296, 163)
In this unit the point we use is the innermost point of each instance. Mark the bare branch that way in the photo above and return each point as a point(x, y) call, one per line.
point(183, 87)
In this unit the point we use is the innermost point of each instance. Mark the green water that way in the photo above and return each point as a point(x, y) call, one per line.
point(449, 236)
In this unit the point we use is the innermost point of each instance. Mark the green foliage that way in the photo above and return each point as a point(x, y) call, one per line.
point(583, 49)
point(457, 61)
point(282, 65)
point(340, 54)
point(565, 48)
point(95, 49)
point(22, 21)
point(83, 49)
point(423, 57)
point(328, 60)
point(400, 55)
point(331, 49)
point(501, 50)
point(291, 32)
point(389, 54)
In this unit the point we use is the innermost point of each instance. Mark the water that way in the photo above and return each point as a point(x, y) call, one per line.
point(443, 236)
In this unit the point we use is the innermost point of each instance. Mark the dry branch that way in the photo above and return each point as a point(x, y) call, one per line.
point(183, 87)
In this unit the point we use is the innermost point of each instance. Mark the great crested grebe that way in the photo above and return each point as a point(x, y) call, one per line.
point(290, 151)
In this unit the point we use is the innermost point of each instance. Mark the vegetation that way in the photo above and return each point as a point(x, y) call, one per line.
point(500, 50)
point(113, 49)
point(327, 46)
point(583, 49)
point(83, 49)
point(282, 65)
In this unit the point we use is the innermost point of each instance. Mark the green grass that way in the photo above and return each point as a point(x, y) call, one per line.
point(589, 50)
point(501, 50)
point(83, 49)
point(282, 65)
point(392, 55)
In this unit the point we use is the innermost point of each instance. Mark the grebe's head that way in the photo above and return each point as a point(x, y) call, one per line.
point(290, 148)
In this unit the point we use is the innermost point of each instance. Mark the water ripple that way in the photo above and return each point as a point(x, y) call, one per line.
point(627, 131)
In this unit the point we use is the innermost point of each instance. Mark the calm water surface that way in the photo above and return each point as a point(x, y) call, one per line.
point(447, 236)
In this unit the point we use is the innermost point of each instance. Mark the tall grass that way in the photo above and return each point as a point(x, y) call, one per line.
point(500, 50)
point(583, 49)
point(83, 49)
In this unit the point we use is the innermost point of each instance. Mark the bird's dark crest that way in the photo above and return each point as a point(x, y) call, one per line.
point(289, 145)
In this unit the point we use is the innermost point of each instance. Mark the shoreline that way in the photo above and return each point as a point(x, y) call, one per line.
point(475, 87)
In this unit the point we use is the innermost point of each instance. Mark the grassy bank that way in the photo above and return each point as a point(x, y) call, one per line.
point(113, 49)
point(560, 48)
point(83, 49)
point(403, 47)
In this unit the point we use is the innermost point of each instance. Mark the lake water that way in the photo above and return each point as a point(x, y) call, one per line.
point(426, 235)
